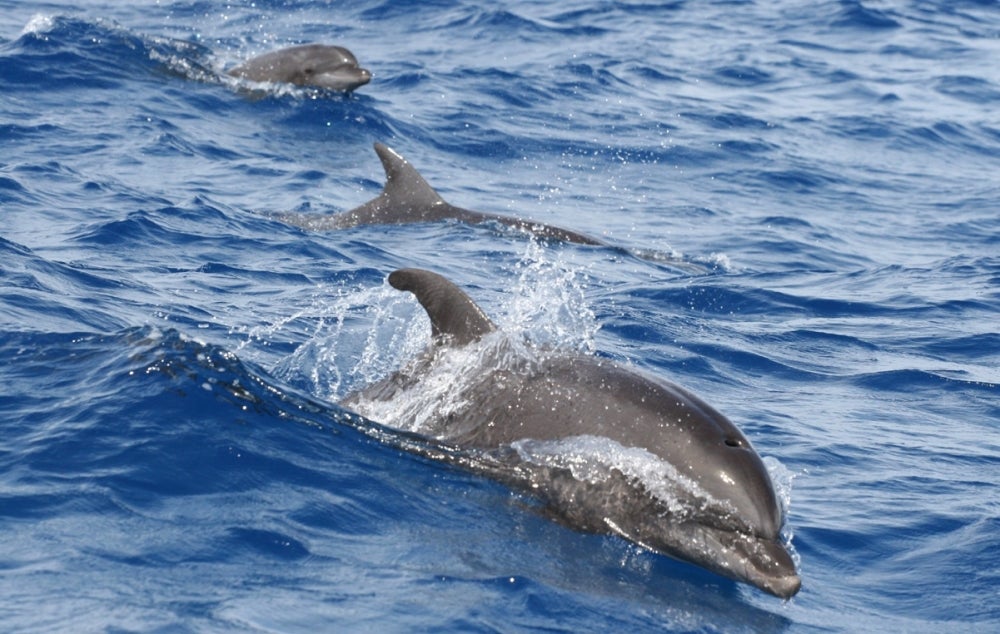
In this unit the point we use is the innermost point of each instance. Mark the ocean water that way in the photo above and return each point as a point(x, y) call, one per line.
point(803, 200)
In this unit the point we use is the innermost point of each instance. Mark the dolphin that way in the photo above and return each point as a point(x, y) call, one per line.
point(606, 449)
point(318, 65)
point(407, 198)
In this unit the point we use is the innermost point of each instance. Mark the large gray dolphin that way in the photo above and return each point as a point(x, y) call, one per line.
point(606, 449)
point(318, 65)
point(407, 198)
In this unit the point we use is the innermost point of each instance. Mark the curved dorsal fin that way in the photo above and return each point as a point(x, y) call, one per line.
point(452, 312)
point(405, 198)
point(402, 181)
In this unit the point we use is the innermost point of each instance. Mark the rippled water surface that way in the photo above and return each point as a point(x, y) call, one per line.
point(802, 207)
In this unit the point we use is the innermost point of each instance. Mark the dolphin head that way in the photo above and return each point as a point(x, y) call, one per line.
point(734, 529)
point(319, 65)
point(630, 492)
point(711, 451)
point(732, 516)
point(332, 67)
point(684, 481)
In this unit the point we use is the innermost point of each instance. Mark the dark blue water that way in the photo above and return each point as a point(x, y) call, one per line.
point(825, 178)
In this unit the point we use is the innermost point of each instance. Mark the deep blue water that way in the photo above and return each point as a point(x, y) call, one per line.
point(824, 176)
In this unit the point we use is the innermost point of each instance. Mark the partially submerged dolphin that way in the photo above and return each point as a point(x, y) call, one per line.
point(407, 198)
point(606, 449)
point(319, 65)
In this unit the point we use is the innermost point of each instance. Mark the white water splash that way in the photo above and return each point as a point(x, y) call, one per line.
point(39, 24)
point(548, 302)
point(719, 261)
point(445, 379)
point(782, 479)
point(363, 334)
point(355, 336)
point(592, 459)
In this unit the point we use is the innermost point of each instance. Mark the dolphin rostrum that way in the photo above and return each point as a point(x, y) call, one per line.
point(605, 448)
point(407, 198)
point(319, 65)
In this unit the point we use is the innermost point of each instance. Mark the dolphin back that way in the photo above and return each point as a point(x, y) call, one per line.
point(408, 198)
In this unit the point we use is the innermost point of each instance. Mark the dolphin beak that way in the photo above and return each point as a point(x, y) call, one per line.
point(772, 569)
point(784, 587)
point(764, 563)
point(344, 78)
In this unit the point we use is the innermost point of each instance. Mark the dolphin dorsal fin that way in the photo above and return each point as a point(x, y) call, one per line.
point(406, 197)
point(452, 312)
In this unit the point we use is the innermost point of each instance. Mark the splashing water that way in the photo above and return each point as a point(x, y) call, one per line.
point(39, 24)
point(592, 459)
point(548, 303)
point(782, 478)
point(361, 334)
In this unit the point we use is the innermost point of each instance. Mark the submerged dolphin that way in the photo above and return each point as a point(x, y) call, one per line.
point(407, 198)
point(607, 450)
point(319, 65)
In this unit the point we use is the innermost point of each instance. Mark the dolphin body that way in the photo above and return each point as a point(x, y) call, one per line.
point(407, 198)
point(691, 485)
point(319, 65)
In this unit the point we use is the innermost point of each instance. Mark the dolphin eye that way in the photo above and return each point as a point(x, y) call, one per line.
point(308, 71)
point(733, 442)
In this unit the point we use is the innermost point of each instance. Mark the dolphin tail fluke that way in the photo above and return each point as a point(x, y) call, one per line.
point(452, 312)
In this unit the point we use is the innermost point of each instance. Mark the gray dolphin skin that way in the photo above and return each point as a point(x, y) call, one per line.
point(693, 487)
point(407, 198)
point(319, 65)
